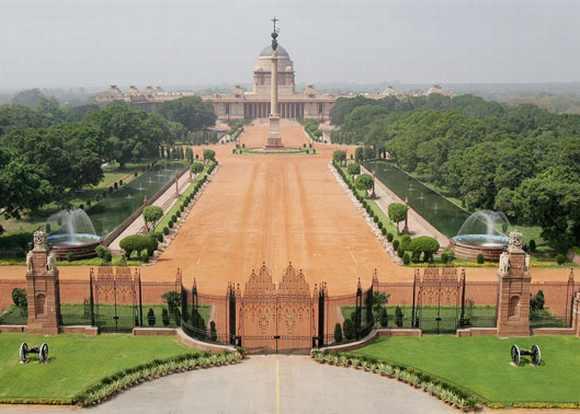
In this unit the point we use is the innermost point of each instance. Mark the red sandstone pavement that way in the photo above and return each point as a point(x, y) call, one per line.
point(276, 208)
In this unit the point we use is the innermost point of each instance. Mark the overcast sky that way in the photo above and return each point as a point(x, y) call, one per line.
point(48, 43)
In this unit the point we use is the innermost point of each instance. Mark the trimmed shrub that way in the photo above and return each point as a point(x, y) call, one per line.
point(138, 243)
point(396, 244)
point(159, 236)
point(384, 231)
point(425, 245)
point(561, 259)
point(399, 317)
point(104, 254)
point(400, 252)
point(165, 317)
point(212, 331)
point(406, 259)
point(383, 317)
point(348, 329)
point(480, 259)
point(390, 237)
point(532, 246)
point(405, 242)
point(20, 299)
point(151, 317)
point(337, 333)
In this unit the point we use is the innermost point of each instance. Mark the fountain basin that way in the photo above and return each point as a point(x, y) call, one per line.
point(469, 246)
point(80, 246)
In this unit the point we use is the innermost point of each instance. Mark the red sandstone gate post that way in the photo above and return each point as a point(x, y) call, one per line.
point(42, 288)
point(513, 310)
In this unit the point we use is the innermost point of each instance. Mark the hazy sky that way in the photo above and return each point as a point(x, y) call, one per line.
point(47, 43)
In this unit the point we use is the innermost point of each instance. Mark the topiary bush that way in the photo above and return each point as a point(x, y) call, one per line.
point(425, 245)
point(138, 243)
point(396, 244)
point(561, 259)
point(151, 317)
point(337, 333)
point(480, 259)
point(406, 259)
point(532, 246)
point(405, 242)
point(390, 237)
point(165, 317)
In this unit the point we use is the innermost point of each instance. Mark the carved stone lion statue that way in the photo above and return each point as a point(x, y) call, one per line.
point(39, 240)
point(515, 239)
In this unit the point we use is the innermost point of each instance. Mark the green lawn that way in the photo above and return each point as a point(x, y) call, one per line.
point(482, 365)
point(75, 363)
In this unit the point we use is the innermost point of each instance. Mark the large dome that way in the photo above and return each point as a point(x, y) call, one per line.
point(267, 51)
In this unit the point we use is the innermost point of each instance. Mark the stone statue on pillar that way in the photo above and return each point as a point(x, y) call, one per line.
point(514, 280)
point(274, 140)
point(42, 288)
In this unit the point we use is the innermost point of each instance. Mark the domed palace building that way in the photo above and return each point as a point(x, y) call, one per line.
point(256, 103)
point(243, 104)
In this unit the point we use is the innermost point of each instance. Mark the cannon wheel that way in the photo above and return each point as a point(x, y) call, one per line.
point(516, 355)
point(536, 355)
point(43, 353)
point(23, 352)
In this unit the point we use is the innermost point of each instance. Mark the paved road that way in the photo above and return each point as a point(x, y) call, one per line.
point(268, 384)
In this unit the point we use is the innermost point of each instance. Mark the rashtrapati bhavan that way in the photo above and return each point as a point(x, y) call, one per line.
point(241, 103)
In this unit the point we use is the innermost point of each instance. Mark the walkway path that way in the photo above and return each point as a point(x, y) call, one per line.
point(165, 201)
point(271, 384)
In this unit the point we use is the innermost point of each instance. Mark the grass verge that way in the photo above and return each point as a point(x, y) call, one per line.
point(481, 367)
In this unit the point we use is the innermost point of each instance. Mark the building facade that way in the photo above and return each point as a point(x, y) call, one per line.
point(242, 104)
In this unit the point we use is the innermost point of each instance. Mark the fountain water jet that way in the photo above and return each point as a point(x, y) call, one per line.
point(71, 233)
point(484, 232)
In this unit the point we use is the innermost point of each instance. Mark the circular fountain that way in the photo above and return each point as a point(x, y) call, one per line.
point(72, 234)
point(484, 232)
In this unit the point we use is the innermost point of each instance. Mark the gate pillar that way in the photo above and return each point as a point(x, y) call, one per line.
point(576, 314)
point(42, 289)
point(513, 310)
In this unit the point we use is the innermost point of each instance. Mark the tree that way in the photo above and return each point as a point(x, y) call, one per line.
point(191, 112)
point(339, 156)
point(104, 254)
point(397, 213)
point(353, 169)
point(552, 200)
point(537, 302)
point(173, 301)
point(208, 155)
point(364, 182)
point(130, 134)
point(337, 333)
point(151, 215)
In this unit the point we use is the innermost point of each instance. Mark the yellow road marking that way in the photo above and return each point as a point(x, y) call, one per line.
point(277, 386)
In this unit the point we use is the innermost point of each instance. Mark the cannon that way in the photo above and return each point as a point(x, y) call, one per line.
point(535, 353)
point(25, 350)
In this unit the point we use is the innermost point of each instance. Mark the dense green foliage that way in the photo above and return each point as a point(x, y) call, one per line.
point(151, 215)
point(138, 243)
point(49, 152)
point(521, 160)
point(397, 213)
point(191, 112)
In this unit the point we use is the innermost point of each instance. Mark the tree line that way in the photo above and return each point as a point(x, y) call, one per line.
point(521, 160)
point(50, 151)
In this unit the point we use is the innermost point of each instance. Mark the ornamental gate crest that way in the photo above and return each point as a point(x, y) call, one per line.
point(277, 318)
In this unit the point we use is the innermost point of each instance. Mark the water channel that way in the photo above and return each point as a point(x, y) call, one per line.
point(433, 207)
point(118, 205)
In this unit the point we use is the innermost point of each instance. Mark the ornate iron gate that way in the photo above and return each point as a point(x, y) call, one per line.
point(438, 300)
point(117, 299)
point(277, 319)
